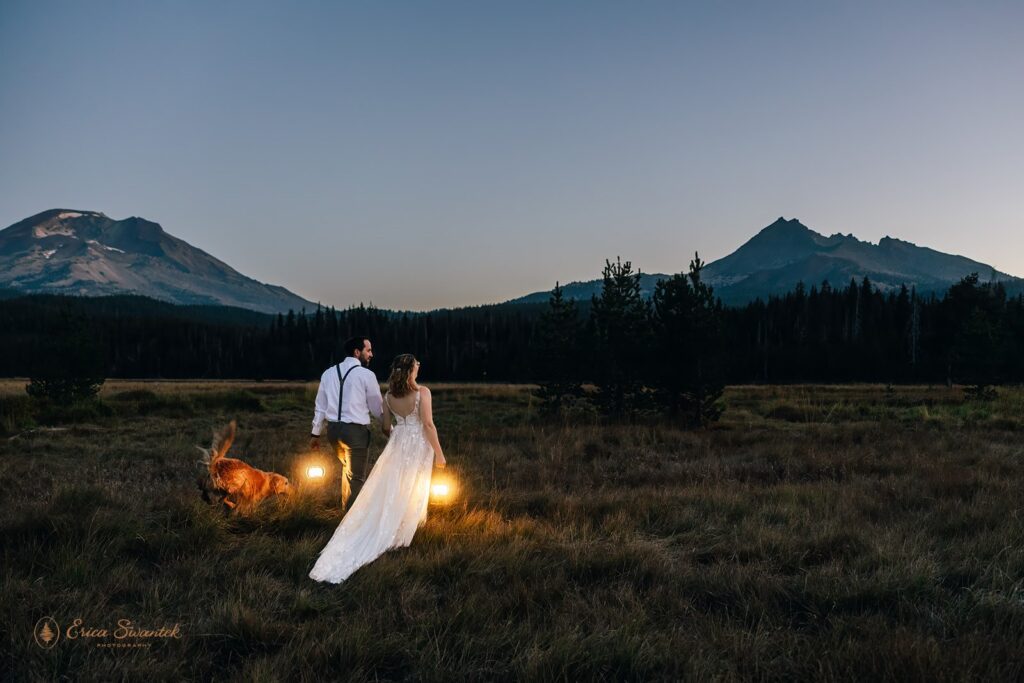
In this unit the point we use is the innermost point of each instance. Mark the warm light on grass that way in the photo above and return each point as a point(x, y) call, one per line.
point(442, 489)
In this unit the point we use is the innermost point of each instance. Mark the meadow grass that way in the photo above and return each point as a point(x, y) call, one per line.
point(815, 533)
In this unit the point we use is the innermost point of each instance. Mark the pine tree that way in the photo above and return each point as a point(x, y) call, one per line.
point(621, 326)
point(556, 356)
point(914, 328)
point(974, 325)
point(688, 331)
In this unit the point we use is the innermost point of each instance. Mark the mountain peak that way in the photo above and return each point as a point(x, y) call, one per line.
point(61, 215)
point(889, 242)
point(786, 252)
point(785, 231)
point(781, 243)
point(66, 251)
point(781, 221)
point(789, 232)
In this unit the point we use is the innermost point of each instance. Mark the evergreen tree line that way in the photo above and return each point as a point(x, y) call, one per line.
point(636, 355)
point(136, 337)
point(974, 335)
point(675, 352)
point(633, 348)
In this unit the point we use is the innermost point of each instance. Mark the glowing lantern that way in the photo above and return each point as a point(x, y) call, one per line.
point(443, 489)
point(315, 472)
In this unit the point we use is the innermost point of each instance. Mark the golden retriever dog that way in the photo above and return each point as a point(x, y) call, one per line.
point(241, 485)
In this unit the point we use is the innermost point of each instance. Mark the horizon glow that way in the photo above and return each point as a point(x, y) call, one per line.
point(421, 156)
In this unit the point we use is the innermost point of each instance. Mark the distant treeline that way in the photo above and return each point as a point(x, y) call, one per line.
point(973, 334)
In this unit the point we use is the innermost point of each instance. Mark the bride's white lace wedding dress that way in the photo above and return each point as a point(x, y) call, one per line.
point(390, 507)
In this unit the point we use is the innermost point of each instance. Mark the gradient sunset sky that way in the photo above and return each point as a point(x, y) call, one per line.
point(427, 154)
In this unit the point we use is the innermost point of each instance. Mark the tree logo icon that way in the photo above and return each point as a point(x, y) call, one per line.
point(47, 633)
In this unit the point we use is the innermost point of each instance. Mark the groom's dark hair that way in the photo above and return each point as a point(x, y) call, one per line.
point(353, 344)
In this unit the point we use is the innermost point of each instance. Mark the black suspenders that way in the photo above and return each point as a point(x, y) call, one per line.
point(341, 384)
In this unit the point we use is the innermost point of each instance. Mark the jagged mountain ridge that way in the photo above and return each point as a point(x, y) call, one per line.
point(788, 252)
point(86, 253)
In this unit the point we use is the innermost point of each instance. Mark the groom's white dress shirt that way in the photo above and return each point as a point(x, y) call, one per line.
point(362, 395)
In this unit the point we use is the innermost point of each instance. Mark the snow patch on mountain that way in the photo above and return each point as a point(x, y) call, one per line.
point(98, 244)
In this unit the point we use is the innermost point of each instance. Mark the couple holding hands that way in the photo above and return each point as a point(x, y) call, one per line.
point(388, 503)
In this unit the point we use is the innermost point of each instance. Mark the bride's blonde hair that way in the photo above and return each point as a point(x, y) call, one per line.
point(400, 381)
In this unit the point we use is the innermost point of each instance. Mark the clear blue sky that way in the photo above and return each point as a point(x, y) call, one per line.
point(426, 154)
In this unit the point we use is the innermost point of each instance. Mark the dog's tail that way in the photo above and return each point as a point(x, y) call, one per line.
point(219, 447)
point(346, 473)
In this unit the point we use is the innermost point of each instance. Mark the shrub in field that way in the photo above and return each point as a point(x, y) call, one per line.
point(70, 367)
point(981, 392)
point(64, 389)
point(577, 409)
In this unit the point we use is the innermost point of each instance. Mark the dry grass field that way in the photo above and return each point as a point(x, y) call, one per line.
point(816, 533)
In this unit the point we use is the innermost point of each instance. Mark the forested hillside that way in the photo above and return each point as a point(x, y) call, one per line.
point(822, 333)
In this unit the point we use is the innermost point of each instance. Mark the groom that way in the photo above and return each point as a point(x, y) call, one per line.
point(348, 394)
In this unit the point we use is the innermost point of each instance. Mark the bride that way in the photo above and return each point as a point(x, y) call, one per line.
point(393, 501)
